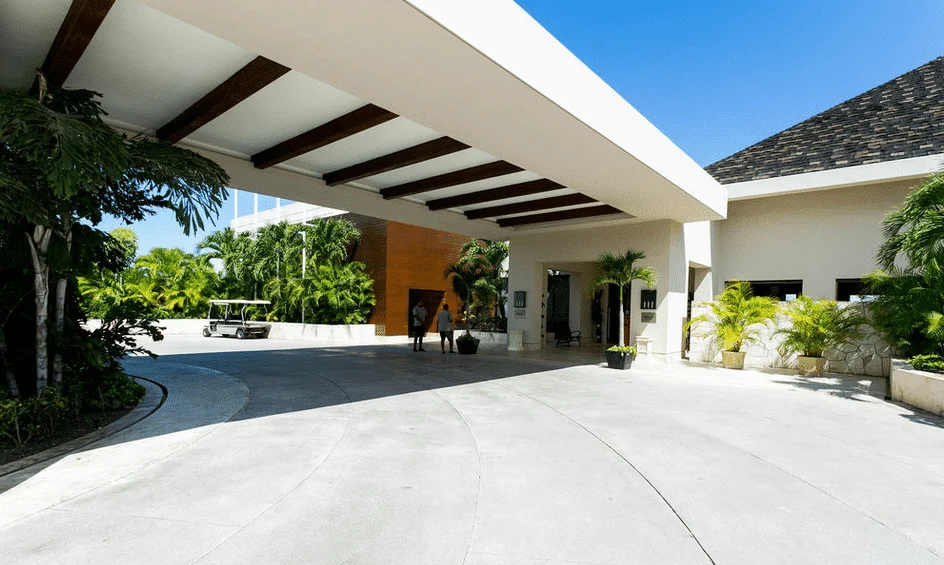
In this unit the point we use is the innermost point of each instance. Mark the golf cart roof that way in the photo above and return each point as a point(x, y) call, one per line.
point(240, 302)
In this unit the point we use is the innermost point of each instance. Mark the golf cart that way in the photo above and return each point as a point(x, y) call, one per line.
point(231, 320)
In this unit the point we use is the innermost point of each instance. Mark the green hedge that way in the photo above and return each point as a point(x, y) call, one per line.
point(932, 363)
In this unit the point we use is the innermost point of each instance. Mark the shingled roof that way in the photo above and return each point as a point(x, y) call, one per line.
point(900, 119)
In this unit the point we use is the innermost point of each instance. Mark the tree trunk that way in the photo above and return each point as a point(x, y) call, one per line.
point(61, 287)
point(621, 340)
point(8, 372)
point(39, 249)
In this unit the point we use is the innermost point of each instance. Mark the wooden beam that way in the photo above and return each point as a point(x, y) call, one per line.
point(472, 174)
point(590, 212)
point(396, 160)
point(529, 206)
point(256, 75)
point(75, 34)
point(511, 191)
point(337, 129)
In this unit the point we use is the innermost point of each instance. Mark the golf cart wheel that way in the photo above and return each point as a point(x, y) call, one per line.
point(240, 334)
point(206, 332)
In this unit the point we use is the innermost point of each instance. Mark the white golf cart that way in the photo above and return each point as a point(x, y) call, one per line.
point(231, 319)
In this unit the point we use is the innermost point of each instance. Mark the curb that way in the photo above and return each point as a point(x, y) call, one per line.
point(153, 399)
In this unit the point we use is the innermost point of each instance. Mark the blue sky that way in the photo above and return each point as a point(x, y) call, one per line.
point(715, 76)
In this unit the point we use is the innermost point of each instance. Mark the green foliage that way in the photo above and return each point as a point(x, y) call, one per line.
point(914, 233)
point(933, 363)
point(621, 270)
point(819, 325)
point(909, 309)
point(61, 169)
point(735, 315)
point(624, 349)
point(479, 279)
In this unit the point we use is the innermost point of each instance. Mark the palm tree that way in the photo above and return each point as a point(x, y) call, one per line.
point(915, 231)
point(737, 313)
point(469, 275)
point(60, 162)
point(621, 270)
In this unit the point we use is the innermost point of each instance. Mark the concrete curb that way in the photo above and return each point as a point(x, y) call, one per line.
point(154, 398)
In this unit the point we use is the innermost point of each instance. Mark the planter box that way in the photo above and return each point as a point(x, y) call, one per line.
point(467, 346)
point(616, 360)
point(918, 388)
point(733, 359)
point(811, 366)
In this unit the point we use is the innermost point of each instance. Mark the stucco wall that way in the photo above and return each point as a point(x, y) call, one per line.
point(665, 247)
point(814, 236)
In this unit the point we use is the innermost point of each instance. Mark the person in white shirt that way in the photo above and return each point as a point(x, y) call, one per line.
point(444, 326)
point(419, 326)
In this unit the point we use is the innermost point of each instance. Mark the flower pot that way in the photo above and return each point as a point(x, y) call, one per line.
point(733, 359)
point(467, 346)
point(811, 366)
point(617, 360)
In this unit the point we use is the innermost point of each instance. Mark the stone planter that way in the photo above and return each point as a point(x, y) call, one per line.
point(811, 366)
point(733, 359)
point(617, 360)
point(467, 346)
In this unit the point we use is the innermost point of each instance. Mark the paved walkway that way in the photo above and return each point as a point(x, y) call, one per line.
point(273, 452)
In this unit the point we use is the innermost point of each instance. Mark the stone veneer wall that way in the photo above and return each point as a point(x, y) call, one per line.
point(868, 356)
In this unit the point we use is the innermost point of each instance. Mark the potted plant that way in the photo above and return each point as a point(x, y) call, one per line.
point(620, 356)
point(817, 326)
point(735, 315)
point(469, 274)
point(622, 271)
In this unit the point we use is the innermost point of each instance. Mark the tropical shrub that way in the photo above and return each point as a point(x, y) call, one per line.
point(735, 315)
point(818, 325)
point(479, 280)
point(932, 363)
point(62, 169)
point(624, 349)
point(909, 286)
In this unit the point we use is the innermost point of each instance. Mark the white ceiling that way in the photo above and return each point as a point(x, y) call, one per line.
point(150, 67)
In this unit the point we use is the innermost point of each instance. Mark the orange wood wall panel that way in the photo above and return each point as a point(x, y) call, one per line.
point(416, 258)
point(400, 257)
point(372, 251)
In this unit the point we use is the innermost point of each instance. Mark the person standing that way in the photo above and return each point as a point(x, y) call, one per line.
point(419, 326)
point(444, 326)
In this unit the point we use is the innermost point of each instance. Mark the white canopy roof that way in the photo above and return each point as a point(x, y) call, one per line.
point(436, 100)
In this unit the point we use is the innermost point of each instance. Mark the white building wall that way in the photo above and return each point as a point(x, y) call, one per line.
point(665, 247)
point(817, 237)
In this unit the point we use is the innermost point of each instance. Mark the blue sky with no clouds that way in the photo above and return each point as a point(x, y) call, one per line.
point(715, 76)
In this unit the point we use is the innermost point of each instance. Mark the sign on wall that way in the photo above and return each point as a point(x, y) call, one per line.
point(520, 299)
point(647, 299)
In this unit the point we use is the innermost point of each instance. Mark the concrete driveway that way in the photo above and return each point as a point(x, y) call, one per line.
point(274, 452)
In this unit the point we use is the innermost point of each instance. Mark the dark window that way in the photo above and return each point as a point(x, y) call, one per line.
point(851, 290)
point(781, 290)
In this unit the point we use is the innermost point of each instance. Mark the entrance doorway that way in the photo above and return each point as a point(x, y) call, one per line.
point(558, 302)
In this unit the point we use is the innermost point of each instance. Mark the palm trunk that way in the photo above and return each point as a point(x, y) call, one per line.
point(8, 373)
point(39, 249)
point(61, 287)
point(622, 320)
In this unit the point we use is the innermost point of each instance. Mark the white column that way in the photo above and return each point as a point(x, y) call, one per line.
point(531, 278)
point(278, 210)
point(235, 204)
point(255, 211)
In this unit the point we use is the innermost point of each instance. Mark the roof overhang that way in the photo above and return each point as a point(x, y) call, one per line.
point(438, 101)
point(915, 168)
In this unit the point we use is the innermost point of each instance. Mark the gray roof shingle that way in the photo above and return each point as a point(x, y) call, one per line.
point(900, 119)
